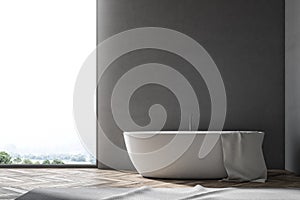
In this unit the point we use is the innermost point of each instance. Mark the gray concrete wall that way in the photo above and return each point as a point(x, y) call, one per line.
point(292, 87)
point(244, 38)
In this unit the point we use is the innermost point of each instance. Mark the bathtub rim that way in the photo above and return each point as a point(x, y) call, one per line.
point(133, 133)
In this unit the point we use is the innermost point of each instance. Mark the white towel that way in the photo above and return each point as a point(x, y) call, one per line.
point(243, 157)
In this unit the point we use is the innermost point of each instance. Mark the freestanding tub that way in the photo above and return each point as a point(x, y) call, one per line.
point(178, 154)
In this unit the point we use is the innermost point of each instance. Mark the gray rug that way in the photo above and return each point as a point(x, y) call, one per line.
point(147, 193)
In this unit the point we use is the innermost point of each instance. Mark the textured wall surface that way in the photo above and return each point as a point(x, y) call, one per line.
point(245, 39)
point(292, 138)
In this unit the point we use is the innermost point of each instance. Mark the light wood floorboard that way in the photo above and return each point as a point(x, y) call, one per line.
point(16, 181)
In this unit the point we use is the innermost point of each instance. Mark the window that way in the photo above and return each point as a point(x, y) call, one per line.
point(43, 44)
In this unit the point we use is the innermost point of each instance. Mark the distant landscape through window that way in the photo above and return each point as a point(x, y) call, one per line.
point(42, 46)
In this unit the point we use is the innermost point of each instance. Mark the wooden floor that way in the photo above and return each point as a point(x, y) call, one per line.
point(14, 182)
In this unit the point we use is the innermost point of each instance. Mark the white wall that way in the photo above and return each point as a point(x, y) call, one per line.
point(292, 87)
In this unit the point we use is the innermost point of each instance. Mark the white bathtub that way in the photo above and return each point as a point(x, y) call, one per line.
point(178, 154)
